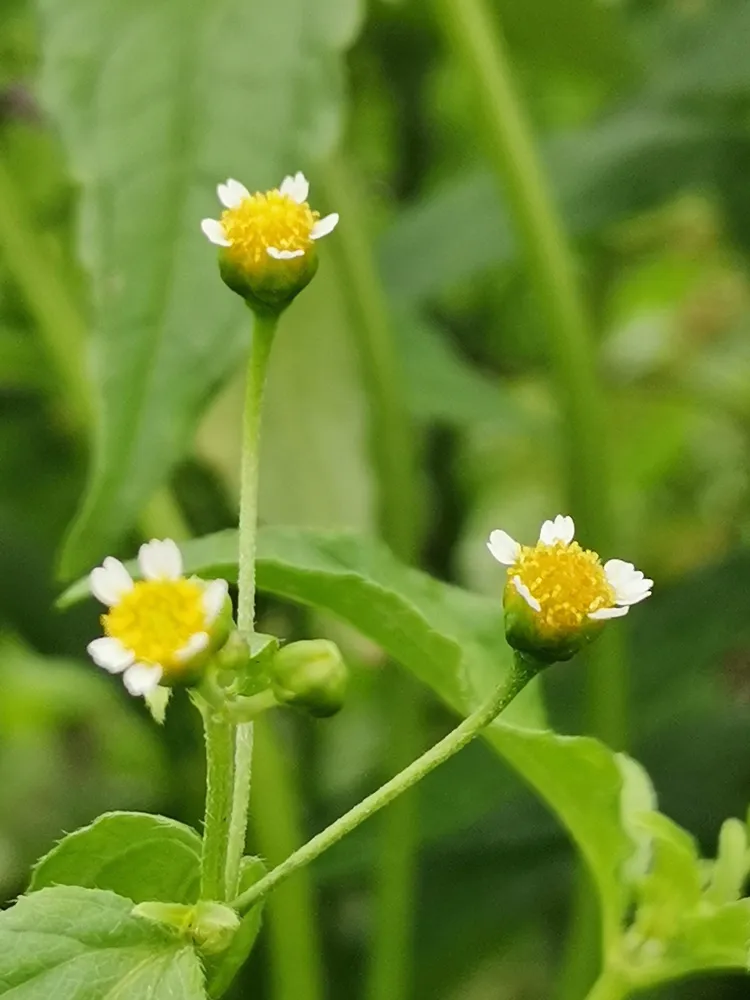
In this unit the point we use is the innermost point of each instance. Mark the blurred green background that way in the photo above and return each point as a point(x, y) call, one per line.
point(642, 111)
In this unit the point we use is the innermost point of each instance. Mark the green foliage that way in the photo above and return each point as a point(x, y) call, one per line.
point(454, 642)
point(84, 944)
point(140, 856)
point(167, 332)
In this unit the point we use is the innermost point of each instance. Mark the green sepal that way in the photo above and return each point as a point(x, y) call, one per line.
point(523, 633)
point(270, 286)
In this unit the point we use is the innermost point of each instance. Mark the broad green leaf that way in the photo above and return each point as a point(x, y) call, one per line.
point(453, 641)
point(188, 96)
point(83, 944)
point(136, 855)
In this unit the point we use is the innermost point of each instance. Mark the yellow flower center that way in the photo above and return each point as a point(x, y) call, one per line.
point(267, 220)
point(568, 581)
point(156, 618)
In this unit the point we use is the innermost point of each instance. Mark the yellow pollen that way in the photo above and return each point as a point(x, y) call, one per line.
point(568, 581)
point(156, 618)
point(267, 220)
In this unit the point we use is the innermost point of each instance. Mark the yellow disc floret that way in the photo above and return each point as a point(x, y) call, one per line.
point(267, 220)
point(567, 581)
point(156, 619)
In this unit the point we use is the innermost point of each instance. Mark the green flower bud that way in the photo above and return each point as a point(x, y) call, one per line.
point(310, 674)
point(270, 285)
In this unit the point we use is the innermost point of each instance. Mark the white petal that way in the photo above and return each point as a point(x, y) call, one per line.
point(324, 226)
point(297, 188)
point(110, 581)
point(504, 548)
point(633, 596)
point(214, 597)
point(562, 529)
point(603, 613)
point(284, 254)
point(526, 594)
point(195, 644)
point(214, 230)
point(110, 654)
point(142, 678)
point(232, 193)
point(629, 584)
point(160, 560)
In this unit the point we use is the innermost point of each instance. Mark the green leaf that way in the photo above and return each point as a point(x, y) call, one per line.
point(83, 944)
point(189, 96)
point(136, 855)
point(453, 641)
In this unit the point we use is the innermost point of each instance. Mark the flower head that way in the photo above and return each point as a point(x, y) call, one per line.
point(267, 240)
point(161, 629)
point(559, 593)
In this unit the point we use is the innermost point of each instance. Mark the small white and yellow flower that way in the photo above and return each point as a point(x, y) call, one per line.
point(558, 593)
point(161, 629)
point(267, 240)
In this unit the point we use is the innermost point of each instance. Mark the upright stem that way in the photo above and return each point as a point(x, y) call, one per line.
point(517, 679)
point(219, 782)
point(229, 747)
point(392, 450)
point(243, 761)
point(264, 328)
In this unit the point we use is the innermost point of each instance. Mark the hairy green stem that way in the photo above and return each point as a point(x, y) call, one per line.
point(241, 736)
point(264, 327)
point(517, 679)
point(243, 760)
point(219, 783)
point(393, 454)
point(295, 948)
